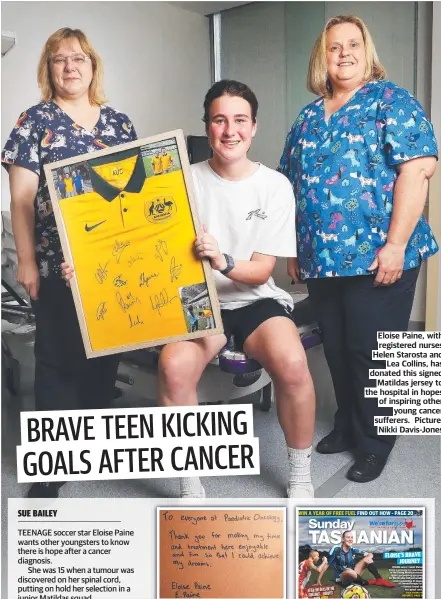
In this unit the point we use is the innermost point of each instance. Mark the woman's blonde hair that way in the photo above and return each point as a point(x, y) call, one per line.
point(318, 82)
point(96, 92)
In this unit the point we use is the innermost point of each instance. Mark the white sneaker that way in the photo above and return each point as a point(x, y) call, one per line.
point(300, 491)
point(193, 493)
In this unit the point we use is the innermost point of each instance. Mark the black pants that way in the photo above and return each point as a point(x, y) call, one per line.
point(351, 312)
point(64, 378)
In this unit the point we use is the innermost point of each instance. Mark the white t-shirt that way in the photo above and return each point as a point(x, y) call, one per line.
point(256, 214)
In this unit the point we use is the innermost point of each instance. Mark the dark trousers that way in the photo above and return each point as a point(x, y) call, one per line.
point(351, 311)
point(64, 378)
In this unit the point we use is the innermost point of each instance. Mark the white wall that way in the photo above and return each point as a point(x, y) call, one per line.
point(156, 61)
point(207, 8)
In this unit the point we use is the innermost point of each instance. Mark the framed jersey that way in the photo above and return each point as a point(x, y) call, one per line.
point(127, 225)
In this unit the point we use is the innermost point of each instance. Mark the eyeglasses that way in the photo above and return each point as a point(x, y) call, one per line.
point(77, 59)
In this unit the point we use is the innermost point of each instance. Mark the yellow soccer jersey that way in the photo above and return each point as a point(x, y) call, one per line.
point(167, 162)
point(132, 241)
point(157, 165)
point(206, 313)
point(69, 184)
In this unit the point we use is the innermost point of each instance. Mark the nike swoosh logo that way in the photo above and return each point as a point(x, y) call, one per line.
point(93, 226)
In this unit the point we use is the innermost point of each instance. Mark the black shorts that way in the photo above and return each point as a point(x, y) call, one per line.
point(241, 322)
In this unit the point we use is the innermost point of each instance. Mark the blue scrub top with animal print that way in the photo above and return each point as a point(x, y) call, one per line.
point(344, 173)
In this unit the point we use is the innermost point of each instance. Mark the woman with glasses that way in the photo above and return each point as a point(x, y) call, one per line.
point(71, 119)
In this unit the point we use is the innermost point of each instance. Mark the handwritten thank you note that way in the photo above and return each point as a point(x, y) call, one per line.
point(222, 553)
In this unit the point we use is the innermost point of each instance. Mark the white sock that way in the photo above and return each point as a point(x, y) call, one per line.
point(299, 484)
point(192, 487)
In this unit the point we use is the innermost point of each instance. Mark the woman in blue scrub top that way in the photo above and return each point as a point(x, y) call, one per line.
point(359, 158)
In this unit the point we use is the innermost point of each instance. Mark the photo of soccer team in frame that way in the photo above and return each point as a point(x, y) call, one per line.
point(159, 158)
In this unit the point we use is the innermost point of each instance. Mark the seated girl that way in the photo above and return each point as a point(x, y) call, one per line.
point(248, 216)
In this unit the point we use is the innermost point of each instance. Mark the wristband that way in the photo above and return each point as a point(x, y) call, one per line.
point(230, 264)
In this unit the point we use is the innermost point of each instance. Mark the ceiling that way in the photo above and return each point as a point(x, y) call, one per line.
point(207, 8)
